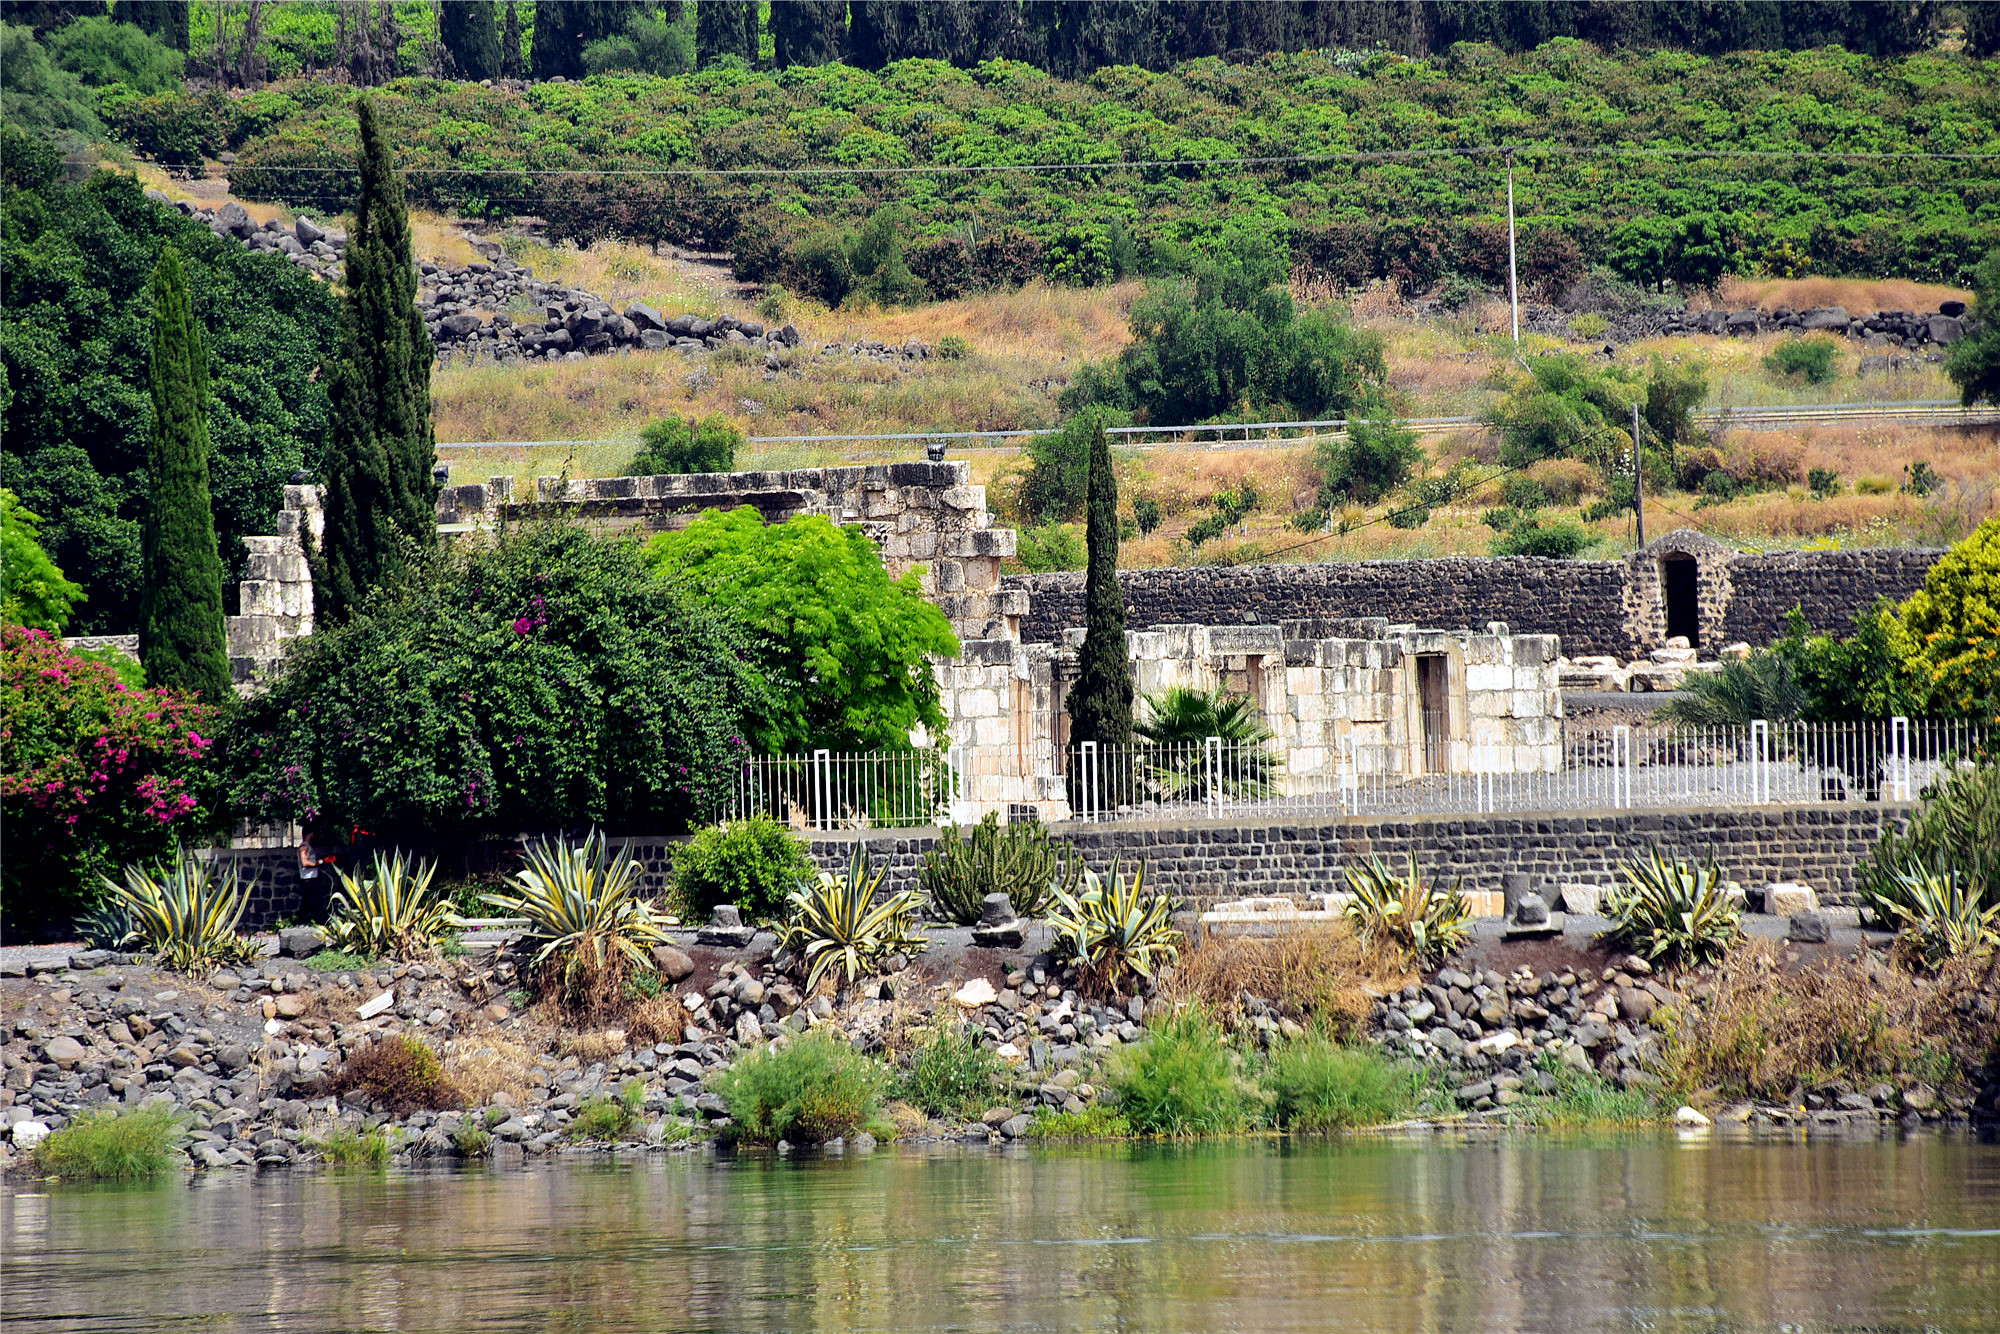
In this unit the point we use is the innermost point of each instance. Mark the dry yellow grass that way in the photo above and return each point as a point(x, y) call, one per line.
point(1858, 296)
point(493, 1062)
point(1320, 973)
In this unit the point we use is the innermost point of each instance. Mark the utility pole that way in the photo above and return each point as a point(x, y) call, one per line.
point(1638, 479)
point(1513, 281)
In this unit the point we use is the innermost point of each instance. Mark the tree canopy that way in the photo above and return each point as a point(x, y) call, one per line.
point(845, 646)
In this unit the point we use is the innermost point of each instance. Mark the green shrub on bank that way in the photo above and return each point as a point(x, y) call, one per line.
point(1406, 913)
point(584, 911)
point(753, 863)
point(609, 1117)
point(812, 1089)
point(1112, 930)
point(951, 1072)
point(392, 910)
point(1673, 911)
point(1582, 1099)
point(348, 1147)
point(674, 445)
point(400, 1074)
point(1181, 1079)
point(1811, 359)
point(1318, 1085)
point(836, 923)
point(113, 1145)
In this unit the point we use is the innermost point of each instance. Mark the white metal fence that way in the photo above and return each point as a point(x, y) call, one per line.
point(1635, 767)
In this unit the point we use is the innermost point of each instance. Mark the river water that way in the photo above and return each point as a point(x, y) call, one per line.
point(1525, 1233)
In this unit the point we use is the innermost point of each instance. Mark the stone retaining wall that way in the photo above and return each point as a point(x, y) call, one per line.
point(1207, 860)
point(1832, 587)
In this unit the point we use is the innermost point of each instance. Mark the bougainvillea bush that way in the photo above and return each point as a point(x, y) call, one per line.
point(544, 681)
point(94, 774)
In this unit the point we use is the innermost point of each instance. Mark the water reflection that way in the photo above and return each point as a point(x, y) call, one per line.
point(1522, 1234)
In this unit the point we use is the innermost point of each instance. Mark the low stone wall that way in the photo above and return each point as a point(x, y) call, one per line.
point(1832, 587)
point(1207, 860)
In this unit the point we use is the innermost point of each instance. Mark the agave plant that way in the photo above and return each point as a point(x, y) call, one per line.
point(1674, 911)
point(583, 905)
point(391, 911)
point(1018, 861)
point(835, 921)
point(106, 926)
point(1114, 927)
point(186, 911)
point(1941, 917)
point(1404, 913)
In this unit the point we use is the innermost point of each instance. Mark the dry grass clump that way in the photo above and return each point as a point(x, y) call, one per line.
point(492, 1063)
point(1323, 974)
point(1758, 1030)
point(401, 1074)
point(1037, 321)
point(657, 1019)
point(1860, 296)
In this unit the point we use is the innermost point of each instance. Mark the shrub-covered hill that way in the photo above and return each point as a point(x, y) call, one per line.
point(75, 351)
point(1579, 118)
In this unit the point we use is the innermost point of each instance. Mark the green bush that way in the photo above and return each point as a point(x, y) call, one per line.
point(810, 1090)
point(1811, 359)
point(114, 1145)
point(33, 592)
point(1146, 513)
point(610, 1118)
point(100, 50)
point(648, 45)
point(1180, 1079)
point(586, 915)
point(1954, 834)
point(754, 863)
point(1552, 539)
point(1051, 547)
point(1112, 930)
point(348, 1147)
point(951, 1072)
point(1823, 481)
point(1019, 861)
point(1177, 723)
point(953, 348)
point(1370, 462)
point(401, 1074)
point(674, 445)
point(1317, 1085)
point(1054, 487)
point(1673, 911)
point(1940, 914)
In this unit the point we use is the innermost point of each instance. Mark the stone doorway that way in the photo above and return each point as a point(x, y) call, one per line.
point(1433, 710)
point(1680, 592)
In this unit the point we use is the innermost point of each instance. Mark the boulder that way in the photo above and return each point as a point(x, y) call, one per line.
point(1945, 329)
point(1743, 322)
point(307, 231)
point(726, 928)
point(380, 1005)
point(459, 326)
point(28, 1135)
point(232, 218)
point(976, 993)
point(1824, 318)
point(645, 317)
point(1809, 928)
point(1955, 309)
point(65, 1052)
point(1788, 897)
point(672, 963)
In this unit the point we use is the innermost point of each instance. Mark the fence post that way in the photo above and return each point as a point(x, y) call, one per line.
point(1621, 766)
point(823, 788)
point(1212, 760)
point(1899, 746)
point(1760, 762)
point(1350, 782)
point(1086, 765)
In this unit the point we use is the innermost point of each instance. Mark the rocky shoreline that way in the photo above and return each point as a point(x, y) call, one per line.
point(252, 1055)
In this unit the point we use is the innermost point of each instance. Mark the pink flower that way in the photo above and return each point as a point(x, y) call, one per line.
point(522, 625)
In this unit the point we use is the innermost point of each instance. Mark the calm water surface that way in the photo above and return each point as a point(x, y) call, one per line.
point(1524, 1234)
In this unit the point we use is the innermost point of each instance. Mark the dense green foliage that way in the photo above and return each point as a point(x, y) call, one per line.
point(1553, 538)
point(181, 640)
point(380, 500)
point(1565, 407)
point(1177, 723)
point(753, 863)
point(390, 910)
point(1947, 634)
point(674, 445)
point(1181, 1079)
point(1114, 930)
point(1955, 833)
point(586, 918)
point(1100, 703)
point(813, 1089)
point(1575, 113)
point(1416, 919)
point(1230, 339)
point(93, 775)
point(1318, 1085)
point(1367, 463)
point(1811, 359)
point(836, 923)
point(1974, 365)
point(114, 1145)
point(1762, 685)
point(75, 261)
point(951, 1071)
point(1018, 861)
point(1056, 485)
point(845, 645)
point(33, 591)
point(469, 31)
point(546, 680)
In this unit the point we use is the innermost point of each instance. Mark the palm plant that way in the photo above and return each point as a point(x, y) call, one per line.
point(1742, 691)
point(1674, 911)
point(1178, 723)
point(583, 905)
point(835, 921)
point(394, 911)
point(1404, 912)
point(186, 911)
point(1114, 927)
point(1018, 861)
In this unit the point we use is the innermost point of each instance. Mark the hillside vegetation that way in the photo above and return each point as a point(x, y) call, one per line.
point(1587, 126)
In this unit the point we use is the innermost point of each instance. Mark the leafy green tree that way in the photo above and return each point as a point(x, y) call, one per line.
point(1672, 395)
point(181, 642)
point(1537, 535)
point(674, 445)
point(1100, 703)
point(381, 500)
point(33, 591)
point(846, 645)
point(40, 97)
point(543, 680)
point(1742, 691)
point(1056, 485)
point(1565, 408)
point(101, 51)
point(1947, 634)
point(1974, 365)
point(75, 412)
point(1054, 546)
point(470, 33)
point(1848, 680)
point(648, 45)
point(1374, 458)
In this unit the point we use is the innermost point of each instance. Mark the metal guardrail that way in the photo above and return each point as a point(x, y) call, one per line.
point(1271, 435)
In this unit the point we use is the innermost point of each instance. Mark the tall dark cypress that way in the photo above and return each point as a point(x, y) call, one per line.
point(381, 501)
point(181, 639)
point(510, 43)
point(718, 31)
point(470, 33)
point(558, 43)
point(164, 19)
point(1100, 704)
point(807, 32)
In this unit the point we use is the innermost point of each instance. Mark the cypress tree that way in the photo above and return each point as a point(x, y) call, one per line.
point(181, 640)
point(1100, 704)
point(470, 33)
point(510, 43)
point(718, 32)
point(807, 32)
point(381, 501)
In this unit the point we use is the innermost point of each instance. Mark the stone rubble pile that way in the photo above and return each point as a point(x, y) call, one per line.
point(1664, 668)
